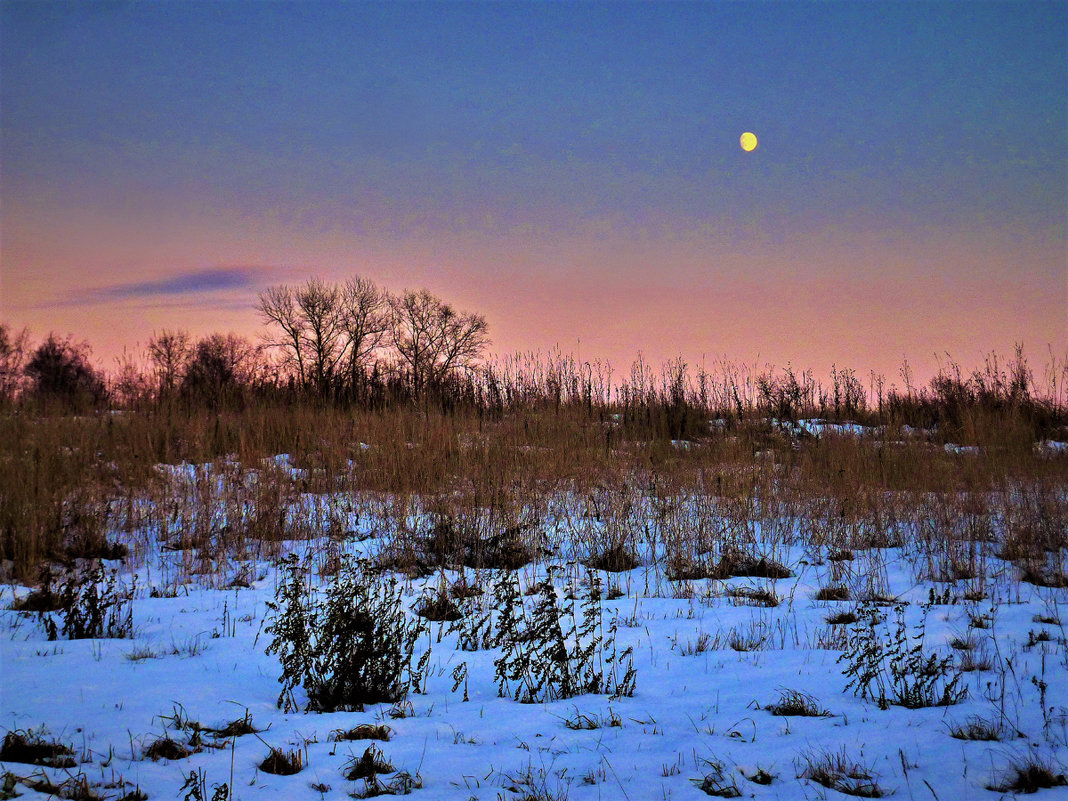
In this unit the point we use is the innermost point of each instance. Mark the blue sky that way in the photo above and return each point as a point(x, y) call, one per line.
point(478, 147)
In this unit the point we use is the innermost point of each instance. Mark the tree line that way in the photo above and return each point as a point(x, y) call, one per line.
point(355, 344)
point(348, 341)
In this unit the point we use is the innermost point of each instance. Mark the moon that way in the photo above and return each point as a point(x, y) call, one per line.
point(748, 141)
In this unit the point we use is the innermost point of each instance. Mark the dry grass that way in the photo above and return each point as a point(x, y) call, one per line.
point(487, 467)
point(837, 770)
point(363, 731)
point(1028, 776)
point(283, 763)
point(32, 748)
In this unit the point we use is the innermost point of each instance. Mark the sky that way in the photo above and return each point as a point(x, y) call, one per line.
point(571, 171)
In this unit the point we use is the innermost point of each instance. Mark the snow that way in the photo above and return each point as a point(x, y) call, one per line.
point(819, 428)
point(1051, 448)
point(698, 701)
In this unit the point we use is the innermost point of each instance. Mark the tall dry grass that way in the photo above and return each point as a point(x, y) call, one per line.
point(679, 472)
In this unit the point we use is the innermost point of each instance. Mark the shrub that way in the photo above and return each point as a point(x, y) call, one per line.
point(92, 604)
point(352, 648)
point(455, 541)
point(60, 370)
point(43, 599)
point(557, 651)
point(892, 668)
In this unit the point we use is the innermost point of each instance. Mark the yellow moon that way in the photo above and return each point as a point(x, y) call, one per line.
point(749, 141)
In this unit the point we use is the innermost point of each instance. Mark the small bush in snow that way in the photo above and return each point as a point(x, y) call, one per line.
point(92, 604)
point(353, 647)
point(557, 650)
point(794, 703)
point(892, 668)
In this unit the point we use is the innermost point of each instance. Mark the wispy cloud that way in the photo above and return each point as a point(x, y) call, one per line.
point(176, 287)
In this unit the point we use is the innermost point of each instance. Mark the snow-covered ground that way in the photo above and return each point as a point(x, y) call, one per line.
point(708, 665)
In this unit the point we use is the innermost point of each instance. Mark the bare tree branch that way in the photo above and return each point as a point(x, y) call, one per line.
point(433, 339)
point(278, 306)
point(365, 318)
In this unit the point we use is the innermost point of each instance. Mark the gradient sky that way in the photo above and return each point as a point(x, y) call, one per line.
point(571, 171)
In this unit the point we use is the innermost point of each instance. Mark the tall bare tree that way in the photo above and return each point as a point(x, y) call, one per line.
point(324, 333)
point(433, 339)
point(327, 333)
point(365, 310)
point(278, 306)
point(313, 337)
point(169, 352)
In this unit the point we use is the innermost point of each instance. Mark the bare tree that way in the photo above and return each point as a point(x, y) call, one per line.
point(221, 368)
point(278, 306)
point(463, 337)
point(319, 325)
point(169, 352)
point(13, 348)
point(433, 339)
point(128, 384)
point(324, 332)
point(365, 311)
point(412, 329)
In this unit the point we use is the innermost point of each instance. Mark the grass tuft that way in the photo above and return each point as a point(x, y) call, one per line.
point(364, 731)
point(370, 764)
point(833, 592)
point(166, 748)
point(237, 728)
point(438, 606)
point(842, 618)
point(283, 763)
point(836, 770)
point(616, 559)
point(794, 703)
point(979, 729)
point(33, 749)
point(1028, 776)
point(401, 784)
point(752, 596)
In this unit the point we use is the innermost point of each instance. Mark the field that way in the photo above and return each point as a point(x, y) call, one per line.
point(563, 599)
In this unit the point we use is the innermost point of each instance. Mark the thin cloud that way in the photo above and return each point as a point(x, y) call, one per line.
point(176, 287)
